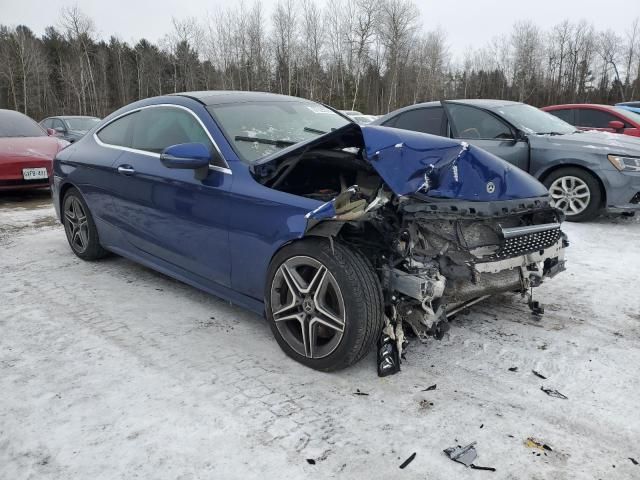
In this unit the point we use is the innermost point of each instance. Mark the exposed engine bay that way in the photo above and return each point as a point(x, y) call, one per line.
point(434, 256)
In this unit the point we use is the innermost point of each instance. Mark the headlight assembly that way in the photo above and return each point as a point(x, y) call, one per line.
point(625, 164)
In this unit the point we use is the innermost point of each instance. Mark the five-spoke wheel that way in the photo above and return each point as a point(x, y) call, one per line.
point(308, 307)
point(79, 227)
point(75, 224)
point(324, 303)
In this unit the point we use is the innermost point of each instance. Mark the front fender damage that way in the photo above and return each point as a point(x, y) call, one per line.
point(444, 224)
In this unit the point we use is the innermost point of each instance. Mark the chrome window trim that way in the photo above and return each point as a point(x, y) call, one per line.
point(224, 169)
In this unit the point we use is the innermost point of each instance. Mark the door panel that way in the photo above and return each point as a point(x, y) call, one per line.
point(168, 213)
point(171, 215)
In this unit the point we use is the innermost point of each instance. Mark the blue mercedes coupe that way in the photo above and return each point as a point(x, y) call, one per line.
point(341, 235)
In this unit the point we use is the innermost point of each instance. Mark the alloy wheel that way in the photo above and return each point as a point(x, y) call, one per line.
point(570, 194)
point(76, 225)
point(308, 307)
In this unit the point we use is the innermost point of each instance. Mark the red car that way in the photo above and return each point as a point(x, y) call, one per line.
point(590, 116)
point(26, 152)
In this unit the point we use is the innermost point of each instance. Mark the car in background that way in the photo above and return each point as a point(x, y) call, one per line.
point(350, 113)
point(70, 128)
point(605, 118)
point(585, 172)
point(363, 119)
point(358, 117)
point(26, 152)
point(331, 229)
point(631, 106)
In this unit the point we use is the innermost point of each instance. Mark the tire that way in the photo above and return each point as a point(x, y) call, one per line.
point(346, 289)
point(568, 187)
point(80, 228)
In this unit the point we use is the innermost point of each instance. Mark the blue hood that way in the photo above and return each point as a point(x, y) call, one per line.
point(439, 167)
point(411, 162)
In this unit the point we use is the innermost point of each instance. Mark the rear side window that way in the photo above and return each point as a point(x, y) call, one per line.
point(160, 127)
point(566, 114)
point(472, 123)
point(425, 120)
point(119, 132)
point(595, 118)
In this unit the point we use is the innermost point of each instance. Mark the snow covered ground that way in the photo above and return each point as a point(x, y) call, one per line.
point(109, 370)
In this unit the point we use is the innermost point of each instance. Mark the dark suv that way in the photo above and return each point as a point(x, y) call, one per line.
point(585, 172)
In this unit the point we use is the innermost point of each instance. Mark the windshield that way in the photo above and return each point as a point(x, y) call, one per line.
point(81, 124)
point(258, 129)
point(532, 120)
point(15, 124)
point(628, 114)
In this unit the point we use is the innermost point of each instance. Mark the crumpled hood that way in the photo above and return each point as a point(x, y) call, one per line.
point(591, 141)
point(440, 167)
point(411, 162)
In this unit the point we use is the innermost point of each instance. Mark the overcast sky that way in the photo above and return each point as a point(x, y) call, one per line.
point(468, 23)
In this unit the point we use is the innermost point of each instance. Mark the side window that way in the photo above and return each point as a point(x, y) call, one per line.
point(57, 124)
point(160, 127)
point(46, 123)
point(473, 123)
point(425, 120)
point(119, 132)
point(566, 114)
point(588, 117)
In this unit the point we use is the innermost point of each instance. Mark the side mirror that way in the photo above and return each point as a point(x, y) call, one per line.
point(189, 156)
point(60, 130)
point(616, 125)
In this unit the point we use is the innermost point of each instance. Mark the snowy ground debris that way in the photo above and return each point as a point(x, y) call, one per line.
point(109, 370)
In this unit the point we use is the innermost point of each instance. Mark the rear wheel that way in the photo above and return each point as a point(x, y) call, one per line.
point(324, 304)
point(576, 192)
point(79, 227)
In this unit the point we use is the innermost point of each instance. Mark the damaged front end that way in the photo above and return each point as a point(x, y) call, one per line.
point(444, 224)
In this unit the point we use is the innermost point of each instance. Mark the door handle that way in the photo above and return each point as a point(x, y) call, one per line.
point(126, 170)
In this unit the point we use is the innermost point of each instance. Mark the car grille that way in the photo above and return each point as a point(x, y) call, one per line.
point(527, 243)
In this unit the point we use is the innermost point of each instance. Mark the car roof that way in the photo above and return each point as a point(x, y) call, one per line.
point(220, 97)
point(598, 106)
point(479, 102)
point(68, 117)
point(485, 103)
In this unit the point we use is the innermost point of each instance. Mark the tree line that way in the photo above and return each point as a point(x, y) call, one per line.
point(368, 55)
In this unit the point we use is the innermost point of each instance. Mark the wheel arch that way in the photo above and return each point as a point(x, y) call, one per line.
point(554, 168)
point(64, 188)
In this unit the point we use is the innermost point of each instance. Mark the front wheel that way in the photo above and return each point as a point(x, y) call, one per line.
point(576, 192)
point(323, 303)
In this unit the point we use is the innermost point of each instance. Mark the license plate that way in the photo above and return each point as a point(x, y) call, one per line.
point(34, 173)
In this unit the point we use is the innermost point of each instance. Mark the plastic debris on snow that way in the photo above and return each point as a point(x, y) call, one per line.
point(554, 393)
point(466, 455)
point(408, 460)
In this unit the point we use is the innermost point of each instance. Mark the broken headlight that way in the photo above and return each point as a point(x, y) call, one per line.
point(626, 164)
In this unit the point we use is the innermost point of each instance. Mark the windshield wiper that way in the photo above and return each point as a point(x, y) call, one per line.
point(314, 130)
point(549, 133)
point(267, 141)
